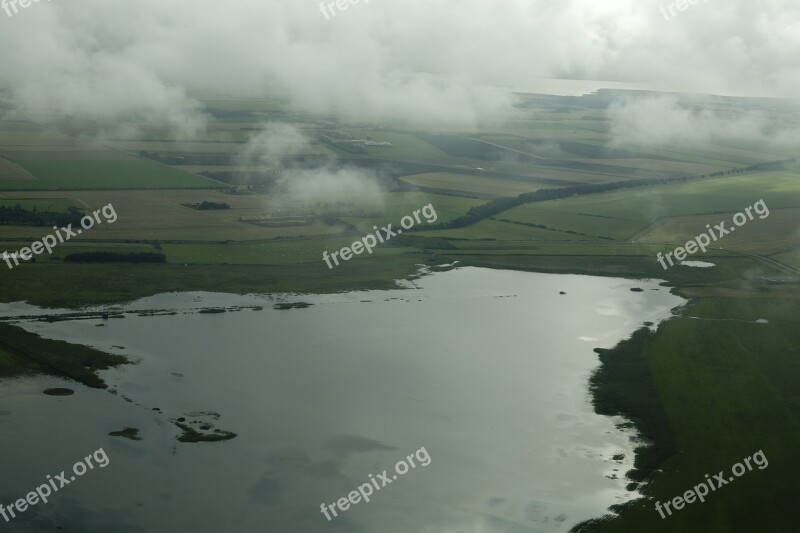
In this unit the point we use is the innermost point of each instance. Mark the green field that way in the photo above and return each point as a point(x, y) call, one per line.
point(504, 231)
point(789, 258)
point(718, 195)
point(754, 237)
point(591, 225)
point(133, 174)
point(273, 253)
point(65, 249)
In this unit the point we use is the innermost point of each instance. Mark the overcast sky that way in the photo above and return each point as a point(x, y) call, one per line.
point(434, 59)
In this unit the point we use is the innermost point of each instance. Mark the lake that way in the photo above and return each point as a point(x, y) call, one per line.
point(486, 369)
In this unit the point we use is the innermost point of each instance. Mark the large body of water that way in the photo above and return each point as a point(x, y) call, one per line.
point(488, 370)
point(564, 87)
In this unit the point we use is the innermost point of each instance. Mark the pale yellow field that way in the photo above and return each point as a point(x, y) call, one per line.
point(12, 171)
point(484, 185)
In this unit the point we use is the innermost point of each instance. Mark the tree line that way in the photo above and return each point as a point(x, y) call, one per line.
point(115, 257)
point(17, 215)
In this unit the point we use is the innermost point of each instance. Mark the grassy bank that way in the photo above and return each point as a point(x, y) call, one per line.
point(22, 352)
point(73, 285)
point(623, 386)
point(728, 386)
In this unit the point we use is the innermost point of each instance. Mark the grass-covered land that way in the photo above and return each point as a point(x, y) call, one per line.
point(728, 386)
point(133, 174)
point(22, 352)
point(66, 285)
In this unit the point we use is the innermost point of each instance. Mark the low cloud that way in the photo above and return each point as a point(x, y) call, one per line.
point(331, 184)
point(669, 121)
point(269, 146)
point(420, 62)
point(328, 180)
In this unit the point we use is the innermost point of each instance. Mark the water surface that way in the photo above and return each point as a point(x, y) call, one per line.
point(486, 369)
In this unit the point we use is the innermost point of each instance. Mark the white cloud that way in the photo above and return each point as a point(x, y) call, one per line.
point(664, 121)
point(416, 60)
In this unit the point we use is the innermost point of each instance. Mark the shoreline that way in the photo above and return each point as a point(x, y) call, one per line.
point(27, 353)
point(623, 386)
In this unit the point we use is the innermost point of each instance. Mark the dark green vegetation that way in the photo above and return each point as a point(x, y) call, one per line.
point(729, 388)
point(201, 430)
point(128, 433)
point(623, 386)
point(17, 215)
point(114, 257)
point(73, 284)
point(546, 192)
point(23, 352)
point(193, 436)
point(58, 391)
point(295, 305)
point(209, 206)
